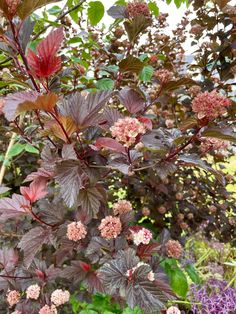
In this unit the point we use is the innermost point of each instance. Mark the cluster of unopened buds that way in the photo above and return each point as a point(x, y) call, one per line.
point(213, 144)
point(173, 249)
point(58, 297)
point(163, 75)
point(130, 272)
point(127, 130)
point(136, 8)
point(140, 235)
point(76, 231)
point(122, 207)
point(210, 105)
point(110, 227)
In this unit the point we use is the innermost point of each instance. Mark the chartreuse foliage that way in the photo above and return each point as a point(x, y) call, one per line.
point(90, 111)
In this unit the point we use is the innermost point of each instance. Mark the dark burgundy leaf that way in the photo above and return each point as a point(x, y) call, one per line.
point(69, 175)
point(194, 160)
point(117, 12)
point(96, 247)
point(131, 64)
point(145, 251)
point(109, 143)
point(68, 152)
point(222, 133)
point(31, 243)
point(74, 272)
point(132, 100)
point(13, 207)
point(89, 199)
point(135, 27)
point(110, 116)
point(84, 110)
point(8, 258)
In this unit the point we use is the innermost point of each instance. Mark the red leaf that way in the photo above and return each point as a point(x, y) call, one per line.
point(146, 121)
point(39, 174)
point(45, 62)
point(146, 251)
point(13, 207)
point(109, 143)
point(35, 191)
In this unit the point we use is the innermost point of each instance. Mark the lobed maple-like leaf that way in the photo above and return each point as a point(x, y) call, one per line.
point(138, 290)
point(67, 125)
point(35, 191)
point(13, 207)
point(69, 175)
point(39, 174)
point(109, 143)
point(32, 242)
point(132, 100)
point(12, 101)
point(44, 102)
point(85, 110)
point(45, 62)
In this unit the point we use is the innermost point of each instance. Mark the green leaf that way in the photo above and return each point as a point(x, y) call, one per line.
point(178, 282)
point(146, 73)
point(16, 150)
point(131, 64)
point(105, 84)
point(153, 8)
point(54, 10)
point(135, 310)
point(95, 12)
point(88, 312)
point(31, 149)
point(178, 3)
point(193, 274)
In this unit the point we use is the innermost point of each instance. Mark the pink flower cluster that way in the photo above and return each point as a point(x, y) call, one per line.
point(210, 105)
point(12, 5)
point(32, 292)
point(163, 75)
point(122, 207)
point(130, 272)
point(46, 309)
point(60, 297)
point(110, 227)
point(194, 90)
point(213, 144)
point(13, 297)
point(173, 310)
point(76, 231)
point(137, 8)
point(142, 235)
point(173, 249)
point(127, 130)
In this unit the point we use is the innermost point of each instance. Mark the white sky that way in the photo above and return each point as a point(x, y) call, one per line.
point(175, 14)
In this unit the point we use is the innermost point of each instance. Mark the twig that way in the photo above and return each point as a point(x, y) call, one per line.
point(59, 18)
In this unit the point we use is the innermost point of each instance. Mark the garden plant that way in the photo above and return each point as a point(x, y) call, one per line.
point(114, 184)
